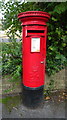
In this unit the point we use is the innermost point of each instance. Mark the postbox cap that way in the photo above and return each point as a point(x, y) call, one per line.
point(34, 15)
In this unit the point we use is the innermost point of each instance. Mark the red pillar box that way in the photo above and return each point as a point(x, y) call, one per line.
point(34, 47)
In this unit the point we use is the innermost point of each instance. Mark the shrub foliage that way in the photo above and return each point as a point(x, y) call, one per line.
point(56, 41)
point(11, 59)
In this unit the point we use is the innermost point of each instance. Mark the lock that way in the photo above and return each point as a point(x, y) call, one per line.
point(42, 62)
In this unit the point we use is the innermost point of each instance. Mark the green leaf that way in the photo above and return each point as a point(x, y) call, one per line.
point(54, 19)
point(62, 7)
point(49, 37)
point(60, 56)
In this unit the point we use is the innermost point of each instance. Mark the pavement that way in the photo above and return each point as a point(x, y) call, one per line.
point(49, 110)
point(33, 106)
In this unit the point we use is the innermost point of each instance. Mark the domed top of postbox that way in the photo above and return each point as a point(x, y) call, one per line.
point(34, 17)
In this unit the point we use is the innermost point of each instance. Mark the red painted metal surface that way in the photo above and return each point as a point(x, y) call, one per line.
point(34, 27)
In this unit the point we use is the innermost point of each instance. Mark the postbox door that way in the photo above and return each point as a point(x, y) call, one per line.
point(34, 47)
point(37, 60)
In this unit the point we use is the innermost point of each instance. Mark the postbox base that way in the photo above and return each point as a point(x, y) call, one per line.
point(30, 88)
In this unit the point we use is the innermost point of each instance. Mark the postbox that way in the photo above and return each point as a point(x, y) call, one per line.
point(34, 35)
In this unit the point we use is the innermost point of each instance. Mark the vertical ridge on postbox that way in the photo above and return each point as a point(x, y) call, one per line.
point(34, 47)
